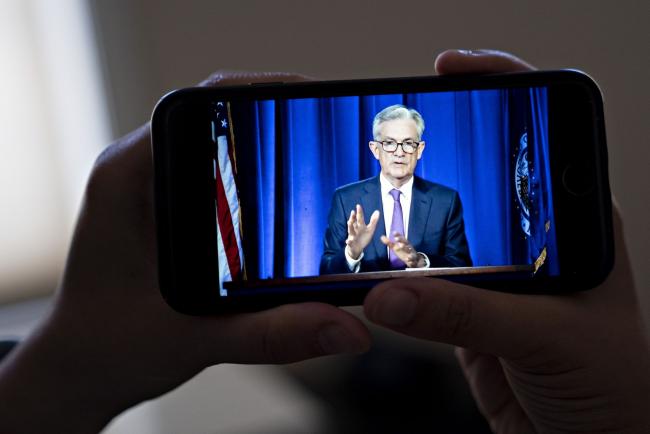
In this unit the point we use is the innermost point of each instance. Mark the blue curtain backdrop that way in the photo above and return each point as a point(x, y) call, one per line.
point(293, 154)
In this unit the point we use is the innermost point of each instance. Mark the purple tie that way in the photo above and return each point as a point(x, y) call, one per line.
point(397, 225)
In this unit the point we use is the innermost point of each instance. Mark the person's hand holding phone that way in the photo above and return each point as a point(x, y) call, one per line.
point(112, 341)
point(535, 363)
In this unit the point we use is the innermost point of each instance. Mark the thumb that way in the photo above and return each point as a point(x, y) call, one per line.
point(490, 322)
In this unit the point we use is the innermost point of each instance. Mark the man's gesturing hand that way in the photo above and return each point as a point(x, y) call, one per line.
point(359, 233)
point(404, 250)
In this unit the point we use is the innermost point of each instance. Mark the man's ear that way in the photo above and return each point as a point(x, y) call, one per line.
point(420, 150)
point(375, 149)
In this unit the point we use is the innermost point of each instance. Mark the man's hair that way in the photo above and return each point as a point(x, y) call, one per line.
point(397, 111)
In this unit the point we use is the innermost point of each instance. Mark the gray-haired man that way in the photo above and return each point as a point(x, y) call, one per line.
point(420, 222)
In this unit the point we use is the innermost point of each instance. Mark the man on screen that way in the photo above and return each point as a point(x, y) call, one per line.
point(424, 220)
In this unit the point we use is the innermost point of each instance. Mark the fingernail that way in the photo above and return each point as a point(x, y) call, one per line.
point(396, 308)
point(335, 339)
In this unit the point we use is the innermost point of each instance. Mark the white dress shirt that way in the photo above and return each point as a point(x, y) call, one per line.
point(388, 203)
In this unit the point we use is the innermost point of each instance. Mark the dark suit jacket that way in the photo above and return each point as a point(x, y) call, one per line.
point(436, 226)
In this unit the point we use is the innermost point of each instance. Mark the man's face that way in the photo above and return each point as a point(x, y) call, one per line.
point(397, 166)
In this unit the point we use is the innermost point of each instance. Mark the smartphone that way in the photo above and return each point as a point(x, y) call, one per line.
point(316, 191)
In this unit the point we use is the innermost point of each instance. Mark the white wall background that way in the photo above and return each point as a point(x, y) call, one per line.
point(53, 123)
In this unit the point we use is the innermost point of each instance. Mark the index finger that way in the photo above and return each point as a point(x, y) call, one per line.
point(287, 333)
point(479, 62)
point(387, 242)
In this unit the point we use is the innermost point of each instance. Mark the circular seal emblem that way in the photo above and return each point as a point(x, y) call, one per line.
point(522, 186)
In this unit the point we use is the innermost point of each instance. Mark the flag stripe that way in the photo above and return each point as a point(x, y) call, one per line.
point(226, 167)
point(224, 272)
point(227, 230)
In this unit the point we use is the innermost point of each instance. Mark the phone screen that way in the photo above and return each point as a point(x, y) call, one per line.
point(458, 181)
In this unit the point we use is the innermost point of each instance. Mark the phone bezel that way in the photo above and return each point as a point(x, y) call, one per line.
point(584, 223)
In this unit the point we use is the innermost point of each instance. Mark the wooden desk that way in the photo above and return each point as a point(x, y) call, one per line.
point(374, 276)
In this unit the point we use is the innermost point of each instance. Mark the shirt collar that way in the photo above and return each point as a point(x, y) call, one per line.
point(386, 186)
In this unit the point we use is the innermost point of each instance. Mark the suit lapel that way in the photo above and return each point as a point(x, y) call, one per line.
point(370, 202)
point(419, 214)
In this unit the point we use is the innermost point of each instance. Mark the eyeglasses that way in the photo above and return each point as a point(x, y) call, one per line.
point(408, 146)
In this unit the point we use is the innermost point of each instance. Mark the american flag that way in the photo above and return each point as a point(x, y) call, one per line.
point(230, 253)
